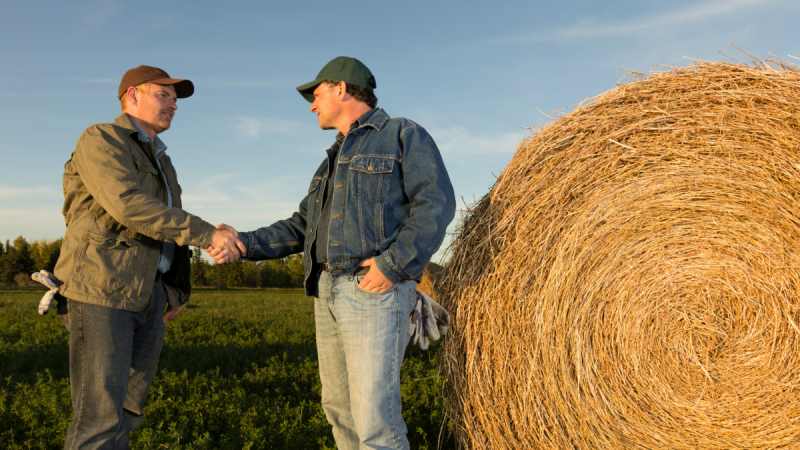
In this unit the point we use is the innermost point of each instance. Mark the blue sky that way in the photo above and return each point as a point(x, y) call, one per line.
point(474, 74)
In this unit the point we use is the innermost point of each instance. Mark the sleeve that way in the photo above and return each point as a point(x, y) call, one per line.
point(108, 170)
point(428, 188)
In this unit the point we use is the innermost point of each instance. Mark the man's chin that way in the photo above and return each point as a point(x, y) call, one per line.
point(161, 127)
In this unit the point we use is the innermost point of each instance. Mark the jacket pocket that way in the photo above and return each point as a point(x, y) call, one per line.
point(106, 259)
point(144, 166)
point(371, 175)
point(314, 184)
point(148, 177)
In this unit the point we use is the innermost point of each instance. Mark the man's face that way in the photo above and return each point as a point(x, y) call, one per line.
point(157, 106)
point(327, 105)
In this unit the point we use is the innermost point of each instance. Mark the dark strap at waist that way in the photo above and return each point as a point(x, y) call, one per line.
point(359, 271)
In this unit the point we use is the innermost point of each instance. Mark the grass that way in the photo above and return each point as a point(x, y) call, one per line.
point(238, 371)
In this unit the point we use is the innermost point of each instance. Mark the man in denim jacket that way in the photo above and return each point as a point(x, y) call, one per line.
point(376, 211)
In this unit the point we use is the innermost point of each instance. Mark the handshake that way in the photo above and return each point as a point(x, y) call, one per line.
point(226, 248)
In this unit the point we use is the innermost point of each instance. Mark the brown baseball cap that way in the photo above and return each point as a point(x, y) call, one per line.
point(148, 74)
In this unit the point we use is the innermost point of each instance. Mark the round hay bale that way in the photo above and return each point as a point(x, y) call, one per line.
point(631, 280)
point(429, 277)
point(426, 285)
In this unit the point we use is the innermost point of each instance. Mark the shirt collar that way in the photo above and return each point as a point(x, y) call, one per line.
point(160, 146)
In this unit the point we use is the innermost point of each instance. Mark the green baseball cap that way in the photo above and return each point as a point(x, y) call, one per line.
point(343, 68)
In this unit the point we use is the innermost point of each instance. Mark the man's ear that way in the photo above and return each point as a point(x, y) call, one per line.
point(342, 90)
point(132, 96)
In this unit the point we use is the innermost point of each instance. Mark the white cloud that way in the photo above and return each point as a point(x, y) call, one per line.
point(40, 192)
point(460, 142)
point(253, 127)
point(636, 26)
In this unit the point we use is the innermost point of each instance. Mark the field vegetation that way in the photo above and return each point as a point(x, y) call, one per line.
point(238, 371)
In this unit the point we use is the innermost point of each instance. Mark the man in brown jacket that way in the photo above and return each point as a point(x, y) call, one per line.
point(125, 258)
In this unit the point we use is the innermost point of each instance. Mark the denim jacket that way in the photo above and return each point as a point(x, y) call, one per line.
point(392, 200)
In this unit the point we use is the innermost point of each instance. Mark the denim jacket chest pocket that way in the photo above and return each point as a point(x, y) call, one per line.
point(371, 176)
point(314, 184)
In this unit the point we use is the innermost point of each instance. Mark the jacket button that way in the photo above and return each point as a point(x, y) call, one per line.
point(317, 200)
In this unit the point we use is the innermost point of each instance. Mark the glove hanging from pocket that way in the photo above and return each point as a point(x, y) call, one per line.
point(50, 281)
point(429, 320)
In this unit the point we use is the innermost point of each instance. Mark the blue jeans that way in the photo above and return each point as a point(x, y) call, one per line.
point(112, 361)
point(361, 339)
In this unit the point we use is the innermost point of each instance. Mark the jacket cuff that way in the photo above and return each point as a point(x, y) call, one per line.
point(384, 263)
point(247, 240)
point(203, 239)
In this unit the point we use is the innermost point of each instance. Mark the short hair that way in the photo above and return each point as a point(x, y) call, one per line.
point(142, 89)
point(357, 92)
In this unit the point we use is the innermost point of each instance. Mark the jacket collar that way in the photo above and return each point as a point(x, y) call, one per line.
point(374, 118)
point(124, 121)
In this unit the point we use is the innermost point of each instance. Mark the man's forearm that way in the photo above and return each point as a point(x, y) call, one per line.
point(278, 240)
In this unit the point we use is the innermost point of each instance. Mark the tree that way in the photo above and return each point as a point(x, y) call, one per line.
point(17, 260)
point(4, 264)
point(199, 268)
point(252, 273)
point(234, 276)
point(274, 273)
point(295, 270)
point(45, 254)
point(230, 274)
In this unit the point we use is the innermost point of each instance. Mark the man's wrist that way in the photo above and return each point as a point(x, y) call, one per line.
point(386, 270)
point(246, 240)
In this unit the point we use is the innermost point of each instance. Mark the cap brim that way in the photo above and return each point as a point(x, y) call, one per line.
point(307, 90)
point(183, 88)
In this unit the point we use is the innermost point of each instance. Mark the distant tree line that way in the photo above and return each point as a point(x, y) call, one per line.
point(278, 273)
point(18, 260)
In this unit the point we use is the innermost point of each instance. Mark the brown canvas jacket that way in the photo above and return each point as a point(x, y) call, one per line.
point(115, 208)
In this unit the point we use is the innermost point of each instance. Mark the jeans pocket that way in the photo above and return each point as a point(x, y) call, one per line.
point(413, 296)
point(357, 281)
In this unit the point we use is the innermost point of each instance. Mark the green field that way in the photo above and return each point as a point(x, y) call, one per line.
point(238, 371)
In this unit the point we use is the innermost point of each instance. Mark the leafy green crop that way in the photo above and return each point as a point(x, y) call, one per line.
point(238, 371)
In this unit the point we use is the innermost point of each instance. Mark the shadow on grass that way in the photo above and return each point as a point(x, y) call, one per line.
point(229, 360)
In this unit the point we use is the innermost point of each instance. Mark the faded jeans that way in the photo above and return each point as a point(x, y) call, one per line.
point(112, 361)
point(361, 339)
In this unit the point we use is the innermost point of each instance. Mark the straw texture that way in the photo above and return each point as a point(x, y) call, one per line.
point(631, 280)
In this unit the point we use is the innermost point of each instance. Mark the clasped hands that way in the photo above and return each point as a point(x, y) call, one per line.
point(225, 245)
